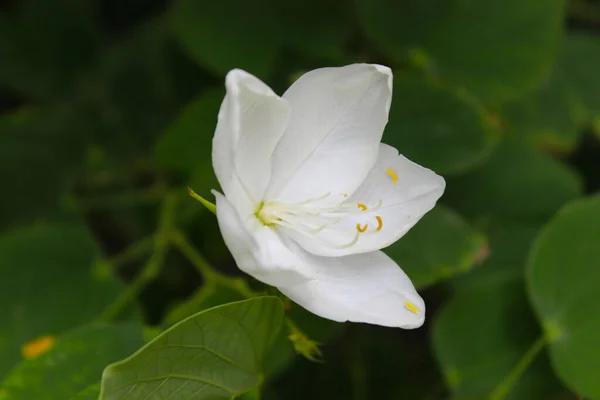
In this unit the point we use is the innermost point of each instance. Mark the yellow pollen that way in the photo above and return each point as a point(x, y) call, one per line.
point(392, 173)
point(37, 347)
point(411, 307)
point(363, 229)
point(345, 194)
point(379, 223)
point(361, 206)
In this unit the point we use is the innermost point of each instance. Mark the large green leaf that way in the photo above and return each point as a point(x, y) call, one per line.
point(89, 393)
point(481, 334)
point(498, 50)
point(75, 362)
point(441, 245)
point(509, 244)
point(555, 115)
point(186, 144)
point(222, 35)
point(551, 117)
point(321, 33)
point(563, 275)
point(436, 127)
point(517, 182)
point(216, 354)
point(50, 281)
point(580, 61)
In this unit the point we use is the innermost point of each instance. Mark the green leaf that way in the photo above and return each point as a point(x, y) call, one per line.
point(438, 128)
point(497, 50)
point(580, 61)
point(555, 115)
point(74, 363)
point(441, 245)
point(216, 354)
point(90, 393)
point(551, 117)
point(57, 267)
point(509, 244)
point(186, 144)
point(481, 334)
point(562, 276)
point(222, 35)
point(517, 182)
point(210, 295)
point(321, 34)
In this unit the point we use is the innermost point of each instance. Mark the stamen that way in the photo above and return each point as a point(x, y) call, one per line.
point(363, 229)
point(361, 206)
point(392, 173)
point(411, 307)
point(345, 194)
point(306, 232)
point(379, 223)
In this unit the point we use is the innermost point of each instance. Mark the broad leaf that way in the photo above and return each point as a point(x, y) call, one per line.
point(222, 35)
point(89, 393)
point(509, 244)
point(75, 362)
point(498, 50)
point(517, 182)
point(441, 245)
point(563, 275)
point(216, 354)
point(186, 145)
point(481, 334)
point(555, 115)
point(45, 272)
point(436, 127)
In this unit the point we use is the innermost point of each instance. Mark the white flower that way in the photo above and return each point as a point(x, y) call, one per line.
point(311, 194)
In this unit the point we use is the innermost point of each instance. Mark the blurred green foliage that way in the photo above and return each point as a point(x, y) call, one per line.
point(107, 111)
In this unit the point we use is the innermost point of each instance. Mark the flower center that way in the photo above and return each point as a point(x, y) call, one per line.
point(309, 218)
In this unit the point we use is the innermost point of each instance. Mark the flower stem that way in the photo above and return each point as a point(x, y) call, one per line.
point(132, 252)
point(511, 379)
point(160, 244)
point(205, 270)
point(211, 206)
point(179, 240)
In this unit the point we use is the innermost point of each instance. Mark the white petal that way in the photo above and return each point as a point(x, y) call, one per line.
point(402, 204)
point(367, 287)
point(258, 250)
point(332, 140)
point(251, 121)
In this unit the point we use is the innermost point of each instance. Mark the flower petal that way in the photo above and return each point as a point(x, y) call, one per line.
point(251, 121)
point(332, 140)
point(367, 287)
point(259, 251)
point(396, 194)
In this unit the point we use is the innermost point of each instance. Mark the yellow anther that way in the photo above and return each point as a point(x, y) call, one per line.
point(363, 229)
point(361, 206)
point(392, 173)
point(379, 223)
point(345, 194)
point(37, 346)
point(411, 307)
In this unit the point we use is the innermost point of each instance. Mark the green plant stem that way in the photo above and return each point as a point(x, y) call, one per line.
point(205, 270)
point(160, 244)
point(511, 379)
point(133, 252)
